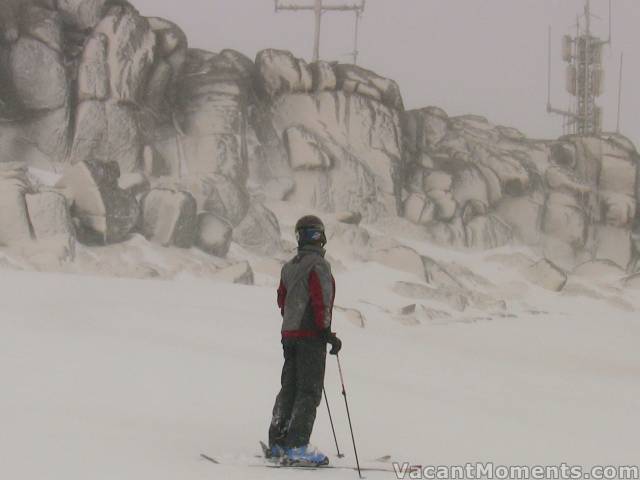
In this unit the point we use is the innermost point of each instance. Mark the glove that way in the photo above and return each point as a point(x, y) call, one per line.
point(333, 340)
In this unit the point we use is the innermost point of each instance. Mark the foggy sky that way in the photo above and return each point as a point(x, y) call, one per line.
point(487, 57)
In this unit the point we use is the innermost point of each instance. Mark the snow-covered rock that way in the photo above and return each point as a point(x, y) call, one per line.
point(259, 231)
point(49, 215)
point(169, 218)
point(14, 219)
point(240, 273)
point(104, 212)
point(213, 235)
point(280, 72)
point(547, 275)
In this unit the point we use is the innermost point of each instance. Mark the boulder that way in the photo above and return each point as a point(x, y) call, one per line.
point(354, 79)
point(83, 14)
point(49, 215)
point(226, 199)
point(304, 150)
point(169, 218)
point(108, 131)
point(44, 25)
point(48, 130)
point(323, 76)
point(547, 275)
point(487, 232)
point(469, 185)
point(418, 209)
point(564, 219)
point(14, 219)
point(259, 231)
point(613, 244)
point(240, 273)
point(523, 215)
point(618, 209)
point(214, 235)
point(52, 225)
point(437, 180)
point(104, 213)
point(400, 258)
point(134, 183)
point(446, 205)
point(618, 174)
point(350, 218)
point(280, 72)
point(599, 270)
point(28, 59)
point(455, 300)
point(130, 54)
point(93, 71)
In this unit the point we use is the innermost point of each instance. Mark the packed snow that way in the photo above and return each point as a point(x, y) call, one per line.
point(119, 378)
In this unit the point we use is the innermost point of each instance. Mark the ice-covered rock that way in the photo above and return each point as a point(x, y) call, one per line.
point(104, 213)
point(213, 235)
point(400, 258)
point(280, 72)
point(108, 131)
point(259, 231)
point(83, 14)
point(547, 275)
point(240, 273)
point(455, 300)
point(49, 215)
point(38, 92)
point(169, 218)
point(355, 79)
point(14, 219)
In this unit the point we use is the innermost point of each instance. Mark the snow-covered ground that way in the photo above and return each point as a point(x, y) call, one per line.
point(122, 379)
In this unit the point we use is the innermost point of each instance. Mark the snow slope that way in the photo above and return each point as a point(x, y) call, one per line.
point(129, 379)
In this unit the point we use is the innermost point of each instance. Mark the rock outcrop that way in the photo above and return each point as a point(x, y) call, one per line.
point(473, 184)
point(183, 145)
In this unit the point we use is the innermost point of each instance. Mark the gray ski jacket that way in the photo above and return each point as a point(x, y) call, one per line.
point(306, 294)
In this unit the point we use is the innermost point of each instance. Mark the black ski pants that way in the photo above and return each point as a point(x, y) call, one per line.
point(302, 380)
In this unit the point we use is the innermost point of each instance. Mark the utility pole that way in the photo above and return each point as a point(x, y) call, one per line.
point(319, 8)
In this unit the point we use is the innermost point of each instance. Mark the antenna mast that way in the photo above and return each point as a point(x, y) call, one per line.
point(619, 94)
point(319, 9)
point(585, 76)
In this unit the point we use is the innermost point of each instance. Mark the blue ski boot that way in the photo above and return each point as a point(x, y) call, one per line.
point(306, 456)
point(275, 452)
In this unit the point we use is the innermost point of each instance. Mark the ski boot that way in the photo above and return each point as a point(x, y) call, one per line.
point(306, 456)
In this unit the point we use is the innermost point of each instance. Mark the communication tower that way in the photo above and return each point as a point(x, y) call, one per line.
point(584, 76)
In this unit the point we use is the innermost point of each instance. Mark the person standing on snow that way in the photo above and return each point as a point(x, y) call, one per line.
point(305, 297)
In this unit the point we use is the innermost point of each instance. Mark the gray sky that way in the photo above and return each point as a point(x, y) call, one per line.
point(487, 57)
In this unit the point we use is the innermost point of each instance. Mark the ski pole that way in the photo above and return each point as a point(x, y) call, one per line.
point(340, 455)
point(344, 394)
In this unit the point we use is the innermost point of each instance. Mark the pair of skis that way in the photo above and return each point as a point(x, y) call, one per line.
point(269, 463)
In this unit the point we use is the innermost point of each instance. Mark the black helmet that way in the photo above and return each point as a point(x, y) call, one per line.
point(310, 231)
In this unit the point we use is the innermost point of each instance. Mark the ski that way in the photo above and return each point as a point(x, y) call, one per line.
point(322, 467)
point(275, 464)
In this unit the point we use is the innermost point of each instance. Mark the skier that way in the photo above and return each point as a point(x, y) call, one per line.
point(305, 297)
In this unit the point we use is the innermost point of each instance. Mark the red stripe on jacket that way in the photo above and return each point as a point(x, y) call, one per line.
point(300, 333)
point(282, 296)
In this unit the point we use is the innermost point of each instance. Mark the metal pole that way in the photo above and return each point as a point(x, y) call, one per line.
point(619, 93)
point(357, 35)
point(549, 74)
point(344, 394)
point(340, 455)
point(318, 14)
